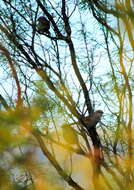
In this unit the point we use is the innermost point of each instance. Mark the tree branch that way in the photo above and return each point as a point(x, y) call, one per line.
point(53, 161)
point(3, 102)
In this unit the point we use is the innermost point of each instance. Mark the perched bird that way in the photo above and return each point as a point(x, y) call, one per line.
point(92, 120)
point(70, 134)
point(43, 25)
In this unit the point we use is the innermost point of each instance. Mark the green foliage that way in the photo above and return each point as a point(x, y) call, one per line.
point(58, 76)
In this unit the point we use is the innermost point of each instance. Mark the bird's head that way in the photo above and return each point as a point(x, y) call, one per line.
point(41, 19)
point(98, 113)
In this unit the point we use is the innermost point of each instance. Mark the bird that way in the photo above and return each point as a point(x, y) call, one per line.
point(43, 25)
point(92, 120)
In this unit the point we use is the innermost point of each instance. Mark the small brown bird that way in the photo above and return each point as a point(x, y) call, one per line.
point(43, 25)
point(91, 120)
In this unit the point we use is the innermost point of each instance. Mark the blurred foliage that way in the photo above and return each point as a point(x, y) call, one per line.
point(32, 132)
